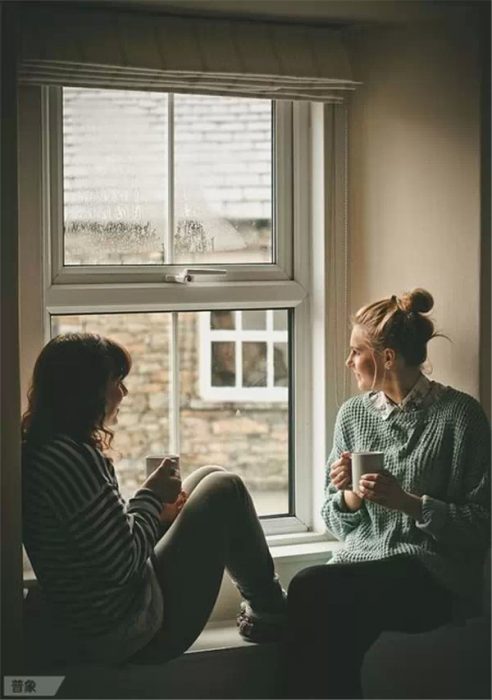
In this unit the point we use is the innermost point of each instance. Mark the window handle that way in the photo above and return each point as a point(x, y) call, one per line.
point(189, 274)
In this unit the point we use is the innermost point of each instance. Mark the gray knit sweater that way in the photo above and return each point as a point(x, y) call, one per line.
point(442, 453)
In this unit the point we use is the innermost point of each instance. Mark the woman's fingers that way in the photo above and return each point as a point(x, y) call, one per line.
point(381, 488)
point(340, 475)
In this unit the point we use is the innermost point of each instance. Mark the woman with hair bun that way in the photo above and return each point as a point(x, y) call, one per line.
point(414, 534)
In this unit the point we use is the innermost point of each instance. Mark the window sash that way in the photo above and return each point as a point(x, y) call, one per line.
point(280, 269)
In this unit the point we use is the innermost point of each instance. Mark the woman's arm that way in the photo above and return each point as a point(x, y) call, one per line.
point(464, 518)
point(114, 539)
point(342, 510)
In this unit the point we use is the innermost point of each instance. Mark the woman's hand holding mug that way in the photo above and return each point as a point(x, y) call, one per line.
point(165, 481)
point(170, 511)
point(341, 478)
point(341, 472)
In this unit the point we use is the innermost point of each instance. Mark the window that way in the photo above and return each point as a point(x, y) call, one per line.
point(138, 187)
point(244, 355)
point(131, 190)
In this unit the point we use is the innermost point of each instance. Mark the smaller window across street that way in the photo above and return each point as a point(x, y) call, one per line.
point(244, 355)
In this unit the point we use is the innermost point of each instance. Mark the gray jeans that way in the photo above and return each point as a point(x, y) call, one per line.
point(218, 528)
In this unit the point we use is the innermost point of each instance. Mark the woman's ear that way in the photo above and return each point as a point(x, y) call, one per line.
point(389, 358)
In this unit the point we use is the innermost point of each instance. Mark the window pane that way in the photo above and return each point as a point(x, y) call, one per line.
point(223, 364)
point(250, 439)
point(114, 176)
point(280, 364)
point(223, 320)
point(253, 320)
point(143, 420)
point(280, 320)
point(223, 170)
point(254, 364)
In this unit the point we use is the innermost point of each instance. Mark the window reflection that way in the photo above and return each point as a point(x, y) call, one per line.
point(223, 320)
point(280, 365)
point(254, 364)
point(223, 364)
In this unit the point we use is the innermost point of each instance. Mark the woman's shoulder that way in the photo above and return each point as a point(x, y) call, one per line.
point(462, 406)
point(354, 406)
point(63, 450)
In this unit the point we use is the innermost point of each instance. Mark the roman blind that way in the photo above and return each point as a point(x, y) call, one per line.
point(120, 48)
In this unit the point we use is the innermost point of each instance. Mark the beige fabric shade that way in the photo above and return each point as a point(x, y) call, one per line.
point(95, 47)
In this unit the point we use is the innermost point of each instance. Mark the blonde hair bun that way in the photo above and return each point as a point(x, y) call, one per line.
point(399, 323)
point(417, 301)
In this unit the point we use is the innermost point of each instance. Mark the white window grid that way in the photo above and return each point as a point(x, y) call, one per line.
point(238, 336)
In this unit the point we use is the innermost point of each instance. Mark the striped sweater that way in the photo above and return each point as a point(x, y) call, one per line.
point(440, 452)
point(87, 546)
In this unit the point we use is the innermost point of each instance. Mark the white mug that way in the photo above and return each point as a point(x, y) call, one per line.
point(365, 463)
point(151, 463)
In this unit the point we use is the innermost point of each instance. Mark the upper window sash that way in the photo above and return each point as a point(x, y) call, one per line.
point(282, 180)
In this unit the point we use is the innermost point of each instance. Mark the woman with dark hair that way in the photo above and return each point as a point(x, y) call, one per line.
point(139, 579)
point(414, 534)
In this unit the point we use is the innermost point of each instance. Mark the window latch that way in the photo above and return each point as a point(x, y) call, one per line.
point(191, 274)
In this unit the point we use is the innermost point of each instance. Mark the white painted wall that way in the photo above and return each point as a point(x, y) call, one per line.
point(414, 172)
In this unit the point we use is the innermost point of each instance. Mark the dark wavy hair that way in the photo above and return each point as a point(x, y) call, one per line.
point(68, 389)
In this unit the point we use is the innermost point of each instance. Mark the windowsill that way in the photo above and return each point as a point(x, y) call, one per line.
point(311, 547)
point(277, 542)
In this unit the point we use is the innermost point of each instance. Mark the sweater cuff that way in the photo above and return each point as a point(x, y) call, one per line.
point(145, 500)
point(434, 515)
point(341, 509)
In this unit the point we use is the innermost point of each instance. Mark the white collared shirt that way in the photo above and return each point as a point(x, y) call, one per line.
point(423, 393)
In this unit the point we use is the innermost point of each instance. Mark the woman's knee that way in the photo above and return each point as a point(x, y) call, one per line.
point(204, 471)
point(307, 585)
point(196, 477)
point(217, 483)
point(225, 481)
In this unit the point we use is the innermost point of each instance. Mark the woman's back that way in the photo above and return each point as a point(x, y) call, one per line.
point(78, 536)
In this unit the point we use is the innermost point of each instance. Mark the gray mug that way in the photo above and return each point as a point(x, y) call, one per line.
point(151, 463)
point(365, 463)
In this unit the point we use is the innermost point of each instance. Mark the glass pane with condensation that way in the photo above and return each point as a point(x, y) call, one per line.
point(248, 436)
point(115, 179)
point(223, 171)
point(143, 420)
point(253, 320)
point(223, 364)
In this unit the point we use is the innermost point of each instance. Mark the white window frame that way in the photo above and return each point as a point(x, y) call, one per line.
point(280, 269)
point(313, 144)
point(238, 336)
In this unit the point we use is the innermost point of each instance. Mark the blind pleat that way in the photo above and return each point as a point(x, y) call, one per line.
point(100, 48)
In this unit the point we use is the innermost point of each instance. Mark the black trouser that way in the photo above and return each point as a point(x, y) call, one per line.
point(337, 611)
